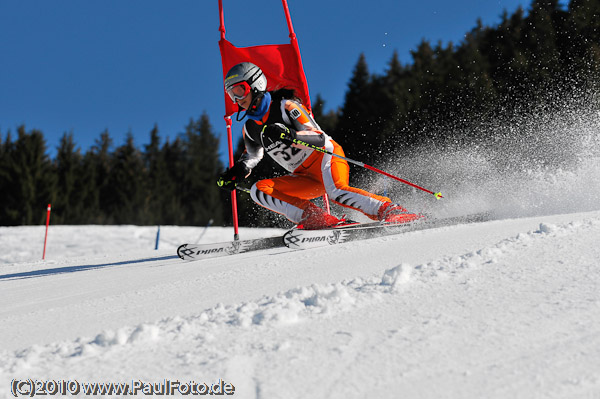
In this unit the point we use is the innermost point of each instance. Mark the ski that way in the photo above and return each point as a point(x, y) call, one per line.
point(305, 239)
point(214, 250)
point(205, 251)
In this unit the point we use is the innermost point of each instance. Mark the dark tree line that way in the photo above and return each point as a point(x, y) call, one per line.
point(165, 183)
point(524, 64)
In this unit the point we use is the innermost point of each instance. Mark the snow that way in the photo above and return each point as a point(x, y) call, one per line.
point(505, 308)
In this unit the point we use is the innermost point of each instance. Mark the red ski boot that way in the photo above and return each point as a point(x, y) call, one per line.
point(315, 218)
point(393, 213)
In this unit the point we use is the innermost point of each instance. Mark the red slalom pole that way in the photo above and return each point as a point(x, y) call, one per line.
point(234, 210)
point(47, 224)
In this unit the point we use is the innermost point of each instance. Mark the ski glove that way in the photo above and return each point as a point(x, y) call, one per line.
point(229, 179)
point(278, 131)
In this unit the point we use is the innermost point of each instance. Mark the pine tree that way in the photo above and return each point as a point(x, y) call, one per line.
point(354, 126)
point(29, 179)
point(98, 164)
point(6, 184)
point(539, 41)
point(583, 32)
point(68, 208)
point(475, 86)
point(160, 187)
point(396, 104)
point(173, 155)
point(126, 199)
point(200, 194)
point(503, 49)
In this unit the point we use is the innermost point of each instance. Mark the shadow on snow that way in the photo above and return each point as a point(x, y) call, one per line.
point(73, 269)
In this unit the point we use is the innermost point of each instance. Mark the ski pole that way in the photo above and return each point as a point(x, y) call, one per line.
point(324, 151)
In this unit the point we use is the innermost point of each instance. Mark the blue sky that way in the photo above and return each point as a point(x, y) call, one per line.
point(86, 66)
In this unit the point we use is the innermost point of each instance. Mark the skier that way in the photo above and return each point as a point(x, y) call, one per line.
point(274, 120)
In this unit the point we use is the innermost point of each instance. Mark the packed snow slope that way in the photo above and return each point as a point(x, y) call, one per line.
point(508, 308)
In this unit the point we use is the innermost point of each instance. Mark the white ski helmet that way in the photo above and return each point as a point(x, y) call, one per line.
point(248, 77)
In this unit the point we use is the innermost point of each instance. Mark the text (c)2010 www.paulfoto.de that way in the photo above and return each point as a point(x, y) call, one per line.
point(31, 387)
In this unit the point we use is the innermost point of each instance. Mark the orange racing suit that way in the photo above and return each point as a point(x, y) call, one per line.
point(312, 173)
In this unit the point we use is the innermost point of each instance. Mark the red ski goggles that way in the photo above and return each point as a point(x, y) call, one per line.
point(238, 91)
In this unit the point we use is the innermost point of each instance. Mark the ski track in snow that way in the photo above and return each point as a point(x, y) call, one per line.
point(499, 309)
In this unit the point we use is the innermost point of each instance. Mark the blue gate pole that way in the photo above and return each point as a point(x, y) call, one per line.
point(157, 238)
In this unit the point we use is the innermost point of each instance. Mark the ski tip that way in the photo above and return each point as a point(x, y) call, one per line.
point(438, 195)
point(180, 250)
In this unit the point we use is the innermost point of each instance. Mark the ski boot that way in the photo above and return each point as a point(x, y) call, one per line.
point(315, 218)
point(395, 214)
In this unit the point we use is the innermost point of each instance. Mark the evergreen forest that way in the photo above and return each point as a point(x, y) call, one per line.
point(519, 66)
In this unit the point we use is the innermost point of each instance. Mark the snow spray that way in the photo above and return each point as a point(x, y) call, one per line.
point(525, 164)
